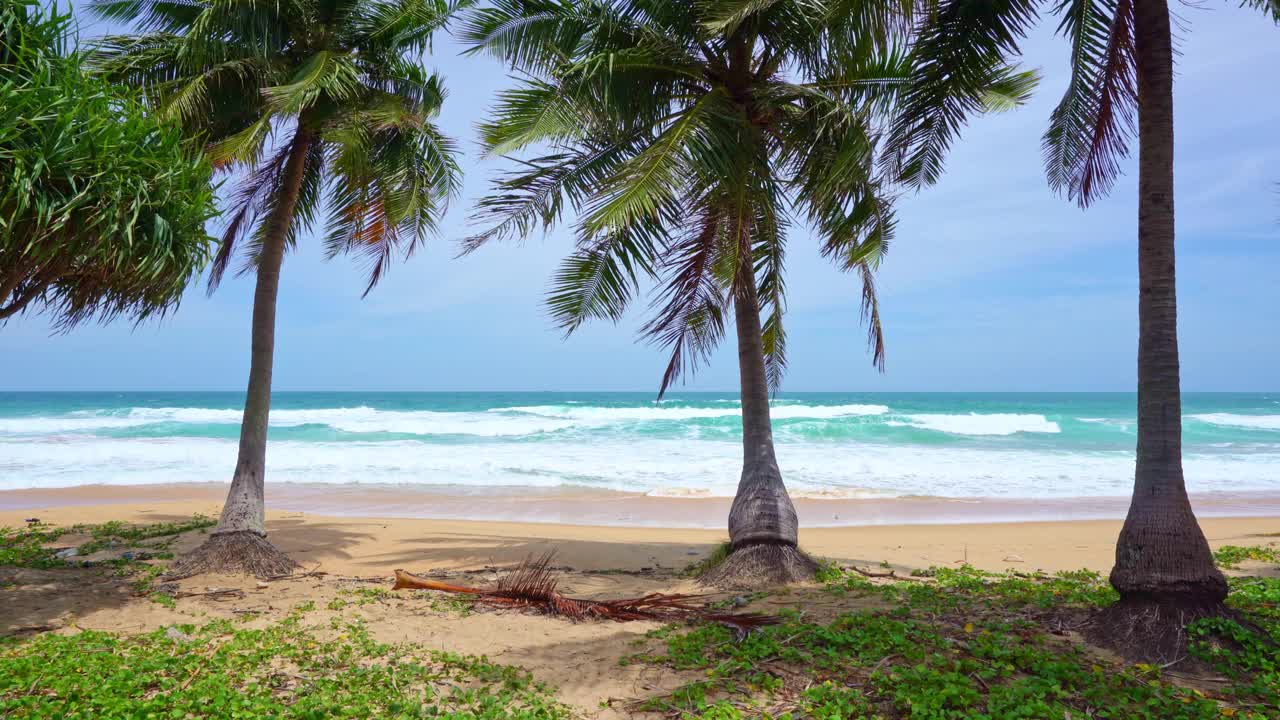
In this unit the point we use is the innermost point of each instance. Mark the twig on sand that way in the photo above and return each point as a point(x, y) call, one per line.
point(532, 586)
point(31, 629)
point(313, 572)
point(985, 687)
point(214, 593)
point(203, 661)
point(882, 663)
point(890, 574)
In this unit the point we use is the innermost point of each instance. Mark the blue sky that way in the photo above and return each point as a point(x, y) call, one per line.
point(993, 284)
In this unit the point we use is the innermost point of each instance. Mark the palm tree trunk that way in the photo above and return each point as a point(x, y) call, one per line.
point(238, 542)
point(763, 529)
point(245, 505)
point(1164, 569)
point(1161, 548)
point(762, 511)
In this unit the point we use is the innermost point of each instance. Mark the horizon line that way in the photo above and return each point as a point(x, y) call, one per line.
point(631, 392)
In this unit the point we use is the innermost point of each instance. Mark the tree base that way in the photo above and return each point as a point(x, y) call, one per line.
point(1152, 628)
point(241, 552)
point(761, 565)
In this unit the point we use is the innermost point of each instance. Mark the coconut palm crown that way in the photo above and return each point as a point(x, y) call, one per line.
point(689, 139)
point(315, 106)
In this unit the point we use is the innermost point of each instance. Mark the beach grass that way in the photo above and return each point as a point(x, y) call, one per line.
point(943, 643)
point(287, 670)
point(969, 644)
point(1231, 556)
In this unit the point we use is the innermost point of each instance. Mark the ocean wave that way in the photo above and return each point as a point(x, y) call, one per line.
point(495, 422)
point(654, 466)
point(352, 420)
point(980, 424)
point(644, 414)
point(1257, 422)
point(795, 423)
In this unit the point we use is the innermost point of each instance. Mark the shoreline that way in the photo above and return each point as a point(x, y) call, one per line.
point(375, 546)
point(607, 508)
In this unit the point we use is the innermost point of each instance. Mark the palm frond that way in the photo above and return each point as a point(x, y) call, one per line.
point(403, 25)
point(647, 181)
point(534, 196)
point(962, 49)
point(690, 310)
point(683, 136)
point(1009, 90)
point(871, 315)
point(531, 113)
point(324, 72)
point(533, 35)
point(237, 72)
point(248, 203)
point(1270, 7)
point(532, 586)
point(1090, 129)
point(724, 16)
point(389, 188)
point(598, 281)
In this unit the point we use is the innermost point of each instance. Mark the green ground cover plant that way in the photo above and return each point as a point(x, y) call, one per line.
point(945, 643)
point(1230, 556)
point(36, 547)
point(287, 670)
point(968, 644)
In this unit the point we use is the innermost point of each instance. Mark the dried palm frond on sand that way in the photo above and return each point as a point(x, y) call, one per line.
point(532, 586)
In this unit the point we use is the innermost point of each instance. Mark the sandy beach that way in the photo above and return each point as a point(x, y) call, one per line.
point(377, 545)
point(594, 506)
point(353, 559)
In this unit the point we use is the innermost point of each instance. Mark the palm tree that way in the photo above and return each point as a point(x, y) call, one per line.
point(86, 233)
point(689, 137)
point(317, 104)
point(1122, 69)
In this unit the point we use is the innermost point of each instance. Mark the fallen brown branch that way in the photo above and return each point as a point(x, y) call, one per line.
point(216, 593)
point(296, 576)
point(892, 574)
point(31, 629)
point(532, 586)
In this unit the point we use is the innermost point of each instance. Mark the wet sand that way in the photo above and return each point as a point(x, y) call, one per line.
point(363, 545)
point(585, 506)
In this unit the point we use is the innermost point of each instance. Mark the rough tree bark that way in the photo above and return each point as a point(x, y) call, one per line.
point(1164, 569)
point(762, 521)
point(238, 543)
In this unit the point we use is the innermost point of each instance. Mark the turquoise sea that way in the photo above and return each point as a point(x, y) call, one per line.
point(848, 445)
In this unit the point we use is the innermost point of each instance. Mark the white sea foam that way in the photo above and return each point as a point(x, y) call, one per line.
point(64, 424)
point(604, 415)
point(665, 466)
point(498, 422)
point(1259, 422)
point(354, 420)
point(981, 424)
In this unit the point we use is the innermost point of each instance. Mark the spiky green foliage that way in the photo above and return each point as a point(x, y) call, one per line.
point(962, 52)
point(964, 45)
point(102, 207)
point(1270, 7)
point(689, 138)
point(251, 79)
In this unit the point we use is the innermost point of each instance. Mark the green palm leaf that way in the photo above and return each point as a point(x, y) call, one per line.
point(685, 135)
point(1089, 131)
point(238, 73)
